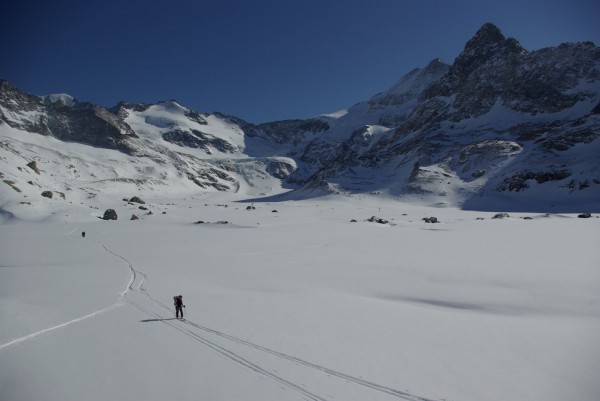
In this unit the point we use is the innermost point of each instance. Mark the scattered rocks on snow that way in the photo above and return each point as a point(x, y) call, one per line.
point(199, 222)
point(110, 214)
point(375, 219)
point(250, 208)
point(430, 219)
point(501, 216)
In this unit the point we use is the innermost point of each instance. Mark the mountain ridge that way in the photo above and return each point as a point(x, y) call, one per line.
point(501, 127)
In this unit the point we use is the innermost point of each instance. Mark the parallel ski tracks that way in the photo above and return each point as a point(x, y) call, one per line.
point(189, 329)
point(244, 362)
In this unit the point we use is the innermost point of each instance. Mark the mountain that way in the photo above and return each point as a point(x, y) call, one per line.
point(499, 128)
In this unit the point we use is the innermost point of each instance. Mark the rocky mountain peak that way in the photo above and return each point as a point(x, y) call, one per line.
point(436, 65)
point(488, 33)
point(487, 43)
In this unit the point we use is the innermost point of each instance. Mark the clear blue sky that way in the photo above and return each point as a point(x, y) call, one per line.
point(261, 60)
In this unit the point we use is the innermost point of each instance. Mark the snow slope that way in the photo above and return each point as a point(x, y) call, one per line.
point(299, 304)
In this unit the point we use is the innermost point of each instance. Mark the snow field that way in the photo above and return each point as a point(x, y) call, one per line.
point(300, 304)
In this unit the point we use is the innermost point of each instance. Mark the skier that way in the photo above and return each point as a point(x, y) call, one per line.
point(178, 300)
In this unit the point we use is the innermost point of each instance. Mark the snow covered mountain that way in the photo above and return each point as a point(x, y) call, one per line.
point(500, 128)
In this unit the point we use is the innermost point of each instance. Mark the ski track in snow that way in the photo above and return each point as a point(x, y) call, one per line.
point(122, 301)
point(39, 333)
point(248, 364)
point(140, 278)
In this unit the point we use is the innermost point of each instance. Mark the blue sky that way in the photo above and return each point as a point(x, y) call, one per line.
point(261, 60)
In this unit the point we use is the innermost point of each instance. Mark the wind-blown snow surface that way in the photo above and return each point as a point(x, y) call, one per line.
point(300, 304)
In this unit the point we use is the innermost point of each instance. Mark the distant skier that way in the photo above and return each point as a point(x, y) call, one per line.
point(178, 300)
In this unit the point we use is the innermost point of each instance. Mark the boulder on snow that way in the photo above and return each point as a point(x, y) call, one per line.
point(137, 199)
point(585, 215)
point(134, 217)
point(33, 165)
point(250, 208)
point(501, 216)
point(430, 219)
point(375, 219)
point(47, 194)
point(110, 214)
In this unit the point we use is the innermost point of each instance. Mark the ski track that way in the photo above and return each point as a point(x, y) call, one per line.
point(122, 301)
point(231, 355)
point(39, 333)
point(137, 275)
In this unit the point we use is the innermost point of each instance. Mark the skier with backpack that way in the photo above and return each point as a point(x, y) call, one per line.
point(178, 301)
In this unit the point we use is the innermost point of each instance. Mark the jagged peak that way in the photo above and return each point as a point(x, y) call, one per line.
point(487, 42)
point(436, 65)
point(4, 82)
point(488, 33)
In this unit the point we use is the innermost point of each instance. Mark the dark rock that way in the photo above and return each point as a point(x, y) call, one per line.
point(274, 211)
point(353, 221)
point(199, 222)
point(143, 208)
point(198, 140)
point(430, 220)
point(501, 216)
point(110, 214)
point(518, 182)
point(250, 208)
point(585, 215)
point(33, 165)
point(195, 116)
point(47, 194)
point(134, 217)
point(375, 219)
point(137, 199)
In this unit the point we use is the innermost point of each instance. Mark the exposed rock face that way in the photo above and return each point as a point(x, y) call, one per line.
point(82, 122)
point(197, 139)
point(499, 122)
point(488, 123)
